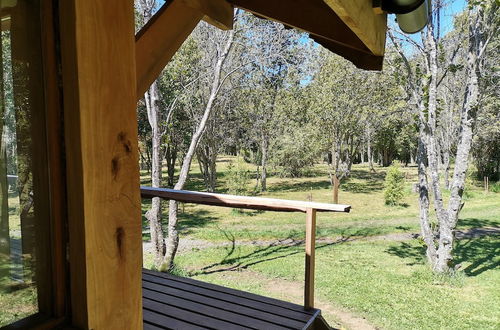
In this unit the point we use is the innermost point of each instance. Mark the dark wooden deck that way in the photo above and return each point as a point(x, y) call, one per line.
point(171, 302)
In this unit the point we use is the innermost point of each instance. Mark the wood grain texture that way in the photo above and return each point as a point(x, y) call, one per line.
point(310, 258)
point(157, 42)
point(359, 16)
point(219, 13)
point(98, 62)
point(55, 129)
point(244, 202)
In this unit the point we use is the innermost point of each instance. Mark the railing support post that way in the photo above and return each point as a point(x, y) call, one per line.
point(309, 268)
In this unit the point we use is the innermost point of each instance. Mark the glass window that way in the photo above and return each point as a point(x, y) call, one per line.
point(24, 226)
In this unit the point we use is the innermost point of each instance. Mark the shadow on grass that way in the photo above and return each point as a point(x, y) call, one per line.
point(194, 219)
point(480, 254)
point(277, 250)
point(483, 254)
point(187, 220)
point(477, 223)
point(371, 182)
point(303, 186)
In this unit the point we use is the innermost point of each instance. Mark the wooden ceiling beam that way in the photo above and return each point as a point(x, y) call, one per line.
point(157, 42)
point(312, 16)
point(219, 13)
point(359, 16)
point(360, 59)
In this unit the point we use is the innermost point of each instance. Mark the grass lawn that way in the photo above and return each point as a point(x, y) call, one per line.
point(18, 299)
point(364, 268)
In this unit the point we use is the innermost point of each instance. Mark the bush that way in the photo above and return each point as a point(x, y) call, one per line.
point(237, 178)
point(295, 152)
point(495, 187)
point(394, 185)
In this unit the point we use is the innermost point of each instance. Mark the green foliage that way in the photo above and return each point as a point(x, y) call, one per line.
point(294, 153)
point(394, 185)
point(237, 177)
point(469, 181)
point(495, 187)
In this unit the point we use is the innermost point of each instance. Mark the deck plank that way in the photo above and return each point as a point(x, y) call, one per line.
point(192, 317)
point(182, 303)
point(234, 292)
point(237, 301)
point(244, 316)
point(160, 321)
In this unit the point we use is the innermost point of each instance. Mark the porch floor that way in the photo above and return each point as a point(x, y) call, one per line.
point(171, 302)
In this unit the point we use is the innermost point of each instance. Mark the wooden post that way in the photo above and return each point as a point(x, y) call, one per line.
point(309, 269)
point(336, 185)
point(104, 205)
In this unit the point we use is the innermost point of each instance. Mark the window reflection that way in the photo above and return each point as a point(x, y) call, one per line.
point(24, 230)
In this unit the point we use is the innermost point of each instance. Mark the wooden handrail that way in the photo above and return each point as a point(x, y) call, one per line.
point(259, 203)
point(243, 202)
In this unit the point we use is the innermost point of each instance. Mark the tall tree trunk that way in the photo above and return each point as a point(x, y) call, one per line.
point(424, 203)
point(370, 152)
point(263, 164)
point(154, 213)
point(446, 168)
point(173, 235)
point(170, 157)
point(445, 244)
point(4, 192)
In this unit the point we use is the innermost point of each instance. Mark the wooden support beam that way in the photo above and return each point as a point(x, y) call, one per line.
point(104, 206)
point(312, 16)
point(360, 59)
point(310, 258)
point(360, 17)
point(244, 202)
point(157, 42)
point(219, 13)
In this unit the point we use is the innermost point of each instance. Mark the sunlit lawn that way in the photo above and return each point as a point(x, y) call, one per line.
point(385, 281)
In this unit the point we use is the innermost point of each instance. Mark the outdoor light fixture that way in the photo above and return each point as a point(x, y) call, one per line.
point(411, 15)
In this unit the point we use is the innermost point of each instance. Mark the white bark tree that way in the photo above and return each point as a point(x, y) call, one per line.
point(482, 24)
point(224, 43)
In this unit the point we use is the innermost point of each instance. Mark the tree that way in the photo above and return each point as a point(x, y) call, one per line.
point(223, 42)
point(152, 102)
point(482, 24)
point(273, 50)
point(342, 113)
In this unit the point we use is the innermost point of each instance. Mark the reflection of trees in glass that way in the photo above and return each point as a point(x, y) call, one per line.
point(4, 207)
point(9, 121)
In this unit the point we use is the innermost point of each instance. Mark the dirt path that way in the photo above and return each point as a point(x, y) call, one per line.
point(293, 292)
point(187, 244)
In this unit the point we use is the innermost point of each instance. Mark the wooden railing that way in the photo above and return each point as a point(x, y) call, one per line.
point(259, 203)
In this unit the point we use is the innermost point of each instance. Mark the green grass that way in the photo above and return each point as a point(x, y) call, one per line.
point(385, 281)
point(17, 299)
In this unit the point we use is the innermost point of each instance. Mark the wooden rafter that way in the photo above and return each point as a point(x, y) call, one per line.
point(217, 12)
point(312, 16)
point(165, 32)
point(157, 42)
point(359, 16)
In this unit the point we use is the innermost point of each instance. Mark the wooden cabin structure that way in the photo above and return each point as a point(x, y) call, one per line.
point(75, 70)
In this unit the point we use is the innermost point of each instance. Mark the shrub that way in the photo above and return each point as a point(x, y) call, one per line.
point(495, 187)
point(394, 185)
point(237, 178)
